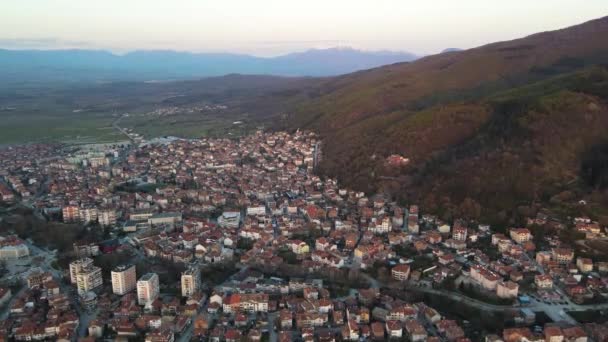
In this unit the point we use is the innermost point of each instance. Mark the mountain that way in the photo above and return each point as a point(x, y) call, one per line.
point(91, 65)
point(451, 50)
point(487, 130)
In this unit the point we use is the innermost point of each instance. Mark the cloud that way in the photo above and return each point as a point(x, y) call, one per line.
point(42, 43)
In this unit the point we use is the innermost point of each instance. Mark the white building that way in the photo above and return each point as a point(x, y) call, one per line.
point(124, 279)
point(256, 210)
point(88, 279)
point(76, 266)
point(229, 219)
point(107, 218)
point(147, 289)
point(14, 251)
point(88, 214)
point(191, 280)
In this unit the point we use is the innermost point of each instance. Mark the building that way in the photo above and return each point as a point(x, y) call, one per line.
point(13, 250)
point(520, 235)
point(191, 280)
point(147, 289)
point(124, 279)
point(165, 219)
point(88, 279)
point(229, 219)
point(401, 272)
point(585, 265)
point(254, 302)
point(459, 233)
point(484, 277)
point(507, 289)
point(563, 256)
point(88, 215)
point(84, 250)
point(553, 334)
point(543, 281)
point(76, 266)
point(257, 210)
point(71, 213)
point(38, 278)
point(107, 218)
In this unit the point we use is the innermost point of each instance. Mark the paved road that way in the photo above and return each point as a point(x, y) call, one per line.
point(84, 317)
point(121, 130)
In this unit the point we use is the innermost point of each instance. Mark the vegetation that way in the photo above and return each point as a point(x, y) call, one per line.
point(52, 235)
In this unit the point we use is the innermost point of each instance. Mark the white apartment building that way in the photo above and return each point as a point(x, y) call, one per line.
point(191, 280)
point(107, 218)
point(147, 289)
point(88, 279)
point(76, 266)
point(124, 279)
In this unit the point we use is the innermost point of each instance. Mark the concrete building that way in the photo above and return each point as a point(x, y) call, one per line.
point(191, 280)
point(88, 279)
point(543, 281)
point(70, 213)
point(585, 265)
point(166, 219)
point(14, 251)
point(230, 219)
point(107, 218)
point(484, 277)
point(520, 235)
point(124, 279)
point(507, 289)
point(562, 255)
point(459, 233)
point(401, 272)
point(76, 266)
point(147, 289)
point(88, 215)
point(84, 250)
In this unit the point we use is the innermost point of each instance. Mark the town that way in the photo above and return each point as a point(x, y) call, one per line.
point(240, 239)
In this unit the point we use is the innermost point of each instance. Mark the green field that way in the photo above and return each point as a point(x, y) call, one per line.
point(52, 126)
point(83, 113)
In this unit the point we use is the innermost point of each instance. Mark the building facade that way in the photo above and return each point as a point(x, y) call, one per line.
point(124, 279)
point(147, 289)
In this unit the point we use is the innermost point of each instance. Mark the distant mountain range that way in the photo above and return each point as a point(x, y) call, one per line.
point(94, 65)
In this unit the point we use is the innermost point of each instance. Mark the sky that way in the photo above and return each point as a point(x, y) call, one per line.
point(274, 27)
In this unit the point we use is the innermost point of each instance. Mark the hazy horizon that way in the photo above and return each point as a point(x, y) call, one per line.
point(269, 28)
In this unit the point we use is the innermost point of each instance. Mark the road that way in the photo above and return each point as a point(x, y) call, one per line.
point(553, 311)
point(121, 130)
point(186, 335)
point(84, 317)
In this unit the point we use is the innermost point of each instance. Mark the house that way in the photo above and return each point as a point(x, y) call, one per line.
point(416, 331)
point(394, 329)
point(299, 247)
point(543, 281)
point(563, 256)
point(575, 334)
point(350, 331)
point(286, 319)
point(553, 334)
point(377, 331)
